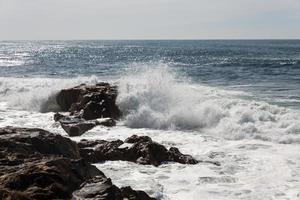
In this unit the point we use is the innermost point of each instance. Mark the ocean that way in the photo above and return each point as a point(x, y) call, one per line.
point(232, 101)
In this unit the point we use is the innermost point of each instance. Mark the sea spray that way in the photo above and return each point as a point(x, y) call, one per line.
point(155, 98)
point(37, 94)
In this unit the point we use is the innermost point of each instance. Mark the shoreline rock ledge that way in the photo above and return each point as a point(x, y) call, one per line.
point(36, 165)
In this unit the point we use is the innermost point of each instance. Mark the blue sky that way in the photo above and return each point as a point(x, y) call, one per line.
point(149, 19)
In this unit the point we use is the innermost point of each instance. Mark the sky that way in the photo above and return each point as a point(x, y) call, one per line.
point(149, 19)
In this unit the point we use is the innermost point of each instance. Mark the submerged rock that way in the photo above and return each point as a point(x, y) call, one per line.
point(139, 149)
point(90, 102)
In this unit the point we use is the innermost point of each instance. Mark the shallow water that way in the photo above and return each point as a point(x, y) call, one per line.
point(234, 102)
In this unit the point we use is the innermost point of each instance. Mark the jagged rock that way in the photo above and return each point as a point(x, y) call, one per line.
point(142, 150)
point(101, 150)
point(138, 139)
point(101, 188)
point(79, 128)
point(48, 178)
point(90, 102)
point(36, 165)
point(76, 126)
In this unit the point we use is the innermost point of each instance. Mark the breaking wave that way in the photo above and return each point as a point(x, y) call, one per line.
point(155, 98)
point(36, 94)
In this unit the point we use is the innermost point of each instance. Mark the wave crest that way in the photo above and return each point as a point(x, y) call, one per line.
point(155, 98)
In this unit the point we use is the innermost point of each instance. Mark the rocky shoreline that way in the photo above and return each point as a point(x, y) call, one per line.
point(37, 164)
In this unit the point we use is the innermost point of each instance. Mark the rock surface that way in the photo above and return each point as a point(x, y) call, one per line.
point(47, 178)
point(139, 149)
point(26, 142)
point(102, 188)
point(76, 126)
point(36, 164)
point(89, 106)
point(90, 102)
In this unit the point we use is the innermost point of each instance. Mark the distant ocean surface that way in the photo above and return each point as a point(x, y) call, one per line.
point(268, 68)
point(236, 102)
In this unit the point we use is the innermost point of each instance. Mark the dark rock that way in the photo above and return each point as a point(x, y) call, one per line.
point(142, 150)
point(131, 194)
point(48, 178)
point(101, 188)
point(36, 164)
point(87, 104)
point(138, 139)
point(65, 98)
point(176, 156)
point(98, 188)
point(90, 102)
point(76, 126)
point(30, 141)
point(101, 150)
point(77, 129)
point(58, 116)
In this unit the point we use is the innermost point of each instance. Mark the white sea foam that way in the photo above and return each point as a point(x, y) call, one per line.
point(254, 142)
point(154, 98)
point(36, 94)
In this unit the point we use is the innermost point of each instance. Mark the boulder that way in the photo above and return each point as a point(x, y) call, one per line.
point(90, 101)
point(139, 149)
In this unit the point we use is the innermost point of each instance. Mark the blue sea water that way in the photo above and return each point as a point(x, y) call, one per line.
point(232, 102)
point(270, 69)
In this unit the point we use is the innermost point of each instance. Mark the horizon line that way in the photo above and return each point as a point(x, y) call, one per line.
point(152, 39)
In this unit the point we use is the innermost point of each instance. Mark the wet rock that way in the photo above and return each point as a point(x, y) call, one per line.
point(79, 128)
point(139, 149)
point(90, 102)
point(176, 156)
point(76, 126)
point(138, 139)
point(57, 116)
point(48, 178)
point(36, 164)
point(100, 188)
point(131, 194)
point(32, 141)
point(101, 150)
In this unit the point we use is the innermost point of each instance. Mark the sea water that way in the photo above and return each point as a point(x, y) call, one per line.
point(232, 102)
